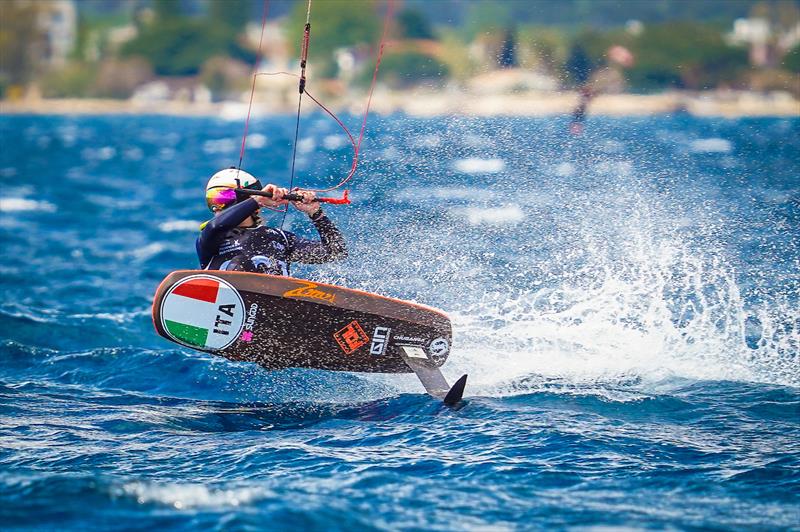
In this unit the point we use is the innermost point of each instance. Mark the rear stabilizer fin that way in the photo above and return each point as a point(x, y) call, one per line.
point(455, 394)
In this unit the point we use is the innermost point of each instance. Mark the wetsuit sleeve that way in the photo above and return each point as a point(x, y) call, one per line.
point(208, 242)
point(328, 248)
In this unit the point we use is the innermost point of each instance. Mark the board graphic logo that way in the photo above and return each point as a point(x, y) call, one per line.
point(351, 337)
point(203, 312)
point(439, 347)
point(310, 291)
point(379, 340)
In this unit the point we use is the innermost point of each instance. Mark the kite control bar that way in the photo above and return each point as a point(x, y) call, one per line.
point(344, 200)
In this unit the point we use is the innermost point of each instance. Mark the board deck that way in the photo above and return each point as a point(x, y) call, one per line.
point(281, 322)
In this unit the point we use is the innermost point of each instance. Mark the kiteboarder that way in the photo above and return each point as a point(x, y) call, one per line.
point(579, 114)
point(236, 238)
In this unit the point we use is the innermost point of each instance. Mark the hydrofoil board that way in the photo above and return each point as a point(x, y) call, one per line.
point(284, 322)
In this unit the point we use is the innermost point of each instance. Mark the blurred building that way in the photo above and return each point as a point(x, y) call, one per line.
point(755, 33)
point(767, 43)
point(58, 23)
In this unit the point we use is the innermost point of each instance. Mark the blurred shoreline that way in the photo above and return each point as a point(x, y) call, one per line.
point(428, 103)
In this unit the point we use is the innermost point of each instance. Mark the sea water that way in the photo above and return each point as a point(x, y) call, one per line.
point(626, 304)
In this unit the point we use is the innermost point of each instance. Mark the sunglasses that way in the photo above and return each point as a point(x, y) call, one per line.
point(221, 197)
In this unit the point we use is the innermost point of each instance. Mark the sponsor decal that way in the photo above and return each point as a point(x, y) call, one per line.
point(413, 351)
point(379, 340)
point(204, 312)
point(351, 337)
point(439, 347)
point(252, 312)
point(311, 291)
point(411, 339)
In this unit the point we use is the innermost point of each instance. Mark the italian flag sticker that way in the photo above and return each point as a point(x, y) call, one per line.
point(203, 312)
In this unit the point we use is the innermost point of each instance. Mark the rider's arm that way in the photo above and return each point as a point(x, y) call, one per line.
point(208, 242)
point(328, 248)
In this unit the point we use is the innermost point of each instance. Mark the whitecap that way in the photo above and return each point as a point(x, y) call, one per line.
point(145, 252)
point(233, 111)
point(186, 496)
point(474, 165)
point(494, 216)
point(8, 172)
point(333, 142)
point(22, 205)
point(713, 145)
point(105, 153)
point(256, 141)
point(219, 146)
point(428, 141)
point(440, 193)
point(306, 145)
point(172, 226)
point(564, 169)
point(133, 154)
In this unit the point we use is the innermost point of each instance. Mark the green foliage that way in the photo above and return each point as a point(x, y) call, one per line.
point(791, 60)
point(684, 55)
point(167, 9)
point(406, 69)
point(487, 16)
point(232, 13)
point(543, 48)
point(413, 25)
point(19, 37)
point(334, 24)
point(73, 81)
point(180, 46)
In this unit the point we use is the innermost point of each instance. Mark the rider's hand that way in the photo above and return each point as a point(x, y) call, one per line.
point(275, 200)
point(308, 205)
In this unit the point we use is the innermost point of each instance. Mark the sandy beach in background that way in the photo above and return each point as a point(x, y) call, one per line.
point(443, 103)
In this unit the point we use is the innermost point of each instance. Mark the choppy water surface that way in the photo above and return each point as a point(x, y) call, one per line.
point(626, 305)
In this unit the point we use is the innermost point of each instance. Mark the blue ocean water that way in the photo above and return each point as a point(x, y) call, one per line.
point(626, 304)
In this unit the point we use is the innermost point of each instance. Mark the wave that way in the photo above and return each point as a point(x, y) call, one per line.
point(172, 226)
point(672, 318)
point(474, 165)
point(713, 145)
point(24, 205)
point(493, 216)
point(190, 496)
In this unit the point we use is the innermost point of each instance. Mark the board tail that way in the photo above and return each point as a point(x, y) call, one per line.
point(433, 380)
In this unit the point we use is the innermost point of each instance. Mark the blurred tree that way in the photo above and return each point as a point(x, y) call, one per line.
point(224, 77)
point(791, 61)
point(19, 38)
point(542, 48)
point(579, 65)
point(167, 9)
point(406, 69)
point(180, 46)
point(119, 78)
point(412, 24)
point(177, 45)
point(684, 55)
point(232, 13)
point(73, 81)
point(508, 55)
point(485, 16)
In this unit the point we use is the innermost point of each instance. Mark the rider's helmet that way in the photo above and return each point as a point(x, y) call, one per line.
point(221, 188)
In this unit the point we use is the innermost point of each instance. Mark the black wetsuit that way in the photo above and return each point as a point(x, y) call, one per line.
point(224, 246)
